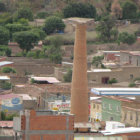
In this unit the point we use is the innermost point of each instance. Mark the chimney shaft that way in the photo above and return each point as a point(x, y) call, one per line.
point(79, 90)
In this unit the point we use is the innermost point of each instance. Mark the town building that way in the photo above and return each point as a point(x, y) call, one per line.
point(36, 125)
point(110, 56)
point(95, 109)
point(130, 58)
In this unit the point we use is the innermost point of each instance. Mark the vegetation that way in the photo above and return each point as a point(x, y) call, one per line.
point(53, 24)
point(24, 13)
point(16, 27)
point(6, 85)
point(107, 30)
point(129, 10)
point(42, 15)
point(132, 84)
point(127, 38)
point(5, 51)
point(54, 50)
point(113, 80)
point(8, 70)
point(4, 36)
point(68, 76)
point(84, 10)
point(97, 60)
point(5, 117)
point(26, 39)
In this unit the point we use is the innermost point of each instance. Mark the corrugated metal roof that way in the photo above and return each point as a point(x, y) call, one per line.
point(121, 131)
point(4, 78)
point(49, 79)
point(116, 91)
point(5, 63)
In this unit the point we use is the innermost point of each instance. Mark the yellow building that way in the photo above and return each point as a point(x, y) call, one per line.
point(96, 109)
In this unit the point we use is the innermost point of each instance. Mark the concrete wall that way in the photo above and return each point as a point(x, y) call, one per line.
point(113, 112)
point(122, 75)
point(130, 117)
point(127, 58)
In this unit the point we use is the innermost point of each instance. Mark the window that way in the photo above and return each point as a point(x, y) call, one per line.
point(104, 105)
point(131, 76)
point(111, 118)
point(110, 107)
point(98, 107)
point(118, 109)
point(131, 116)
point(94, 105)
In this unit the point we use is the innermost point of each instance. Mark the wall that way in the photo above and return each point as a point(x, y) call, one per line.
point(95, 108)
point(130, 117)
point(126, 58)
point(113, 112)
point(14, 48)
point(25, 65)
point(18, 79)
point(122, 74)
point(43, 126)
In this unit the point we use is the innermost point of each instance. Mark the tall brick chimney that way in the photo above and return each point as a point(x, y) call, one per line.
point(79, 90)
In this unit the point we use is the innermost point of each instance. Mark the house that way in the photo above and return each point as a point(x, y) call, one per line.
point(120, 104)
point(95, 109)
point(45, 125)
point(130, 58)
point(112, 56)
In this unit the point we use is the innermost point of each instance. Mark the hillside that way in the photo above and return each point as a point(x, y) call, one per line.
point(51, 6)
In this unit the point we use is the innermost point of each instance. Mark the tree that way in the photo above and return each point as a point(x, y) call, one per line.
point(26, 39)
point(116, 9)
point(25, 13)
point(129, 10)
point(97, 60)
point(42, 15)
point(53, 24)
point(5, 18)
point(85, 10)
point(107, 30)
point(54, 50)
point(127, 38)
point(4, 36)
point(39, 32)
point(68, 76)
point(16, 28)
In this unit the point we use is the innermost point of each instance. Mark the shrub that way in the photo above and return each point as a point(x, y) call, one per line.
point(42, 15)
point(113, 80)
point(53, 24)
point(32, 80)
point(56, 58)
point(8, 70)
point(127, 38)
point(132, 84)
point(25, 13)
point(6, 85)
point(8, 52)
point(68, 76)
